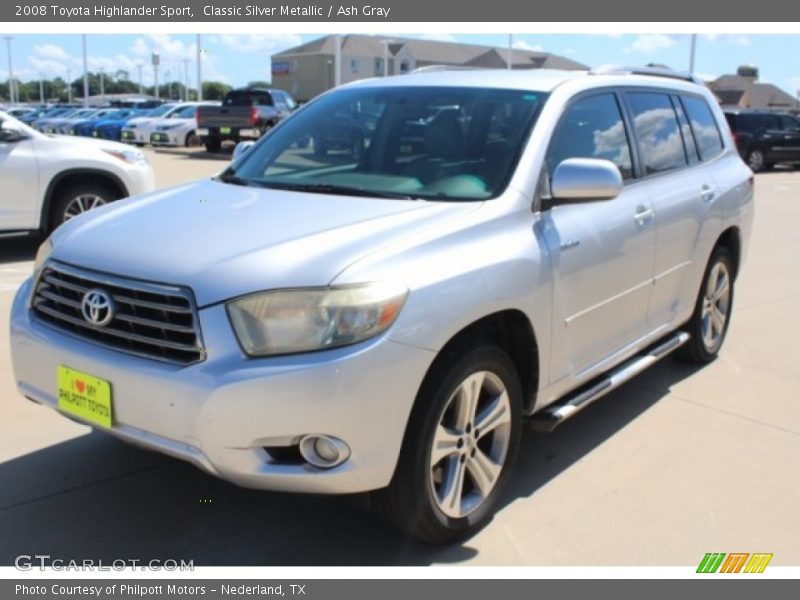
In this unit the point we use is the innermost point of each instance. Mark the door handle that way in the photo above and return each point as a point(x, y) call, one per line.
point(707, 193)
point(643, 214)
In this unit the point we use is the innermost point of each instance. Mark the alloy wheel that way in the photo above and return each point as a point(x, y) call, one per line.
point(716, 306)
point(81, 204)
point(470, 445)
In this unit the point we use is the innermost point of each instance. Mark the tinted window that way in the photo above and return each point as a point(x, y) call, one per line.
point(436, 143)
point(592, 128)
point(247, 98)
point(789, 122)
point(656, 127)
point(754, 122)
point(704, 127)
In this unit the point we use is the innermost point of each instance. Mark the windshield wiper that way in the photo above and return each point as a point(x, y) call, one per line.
point(231, 177)
point(341, 190)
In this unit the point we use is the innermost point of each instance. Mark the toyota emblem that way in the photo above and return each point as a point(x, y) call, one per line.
point(97, 308)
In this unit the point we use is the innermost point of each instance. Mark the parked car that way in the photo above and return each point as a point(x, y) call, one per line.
point(42, 123)
point(48, 180)
point(179, 128)
point(62, 125)
point(765, 138)
point(385, 321)
point(20, 111)
point(245, 114)
point(137, 131)
point(111, 128)
point(85, 127)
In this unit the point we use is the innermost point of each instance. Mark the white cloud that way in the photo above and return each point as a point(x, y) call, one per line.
point(523, 45)
point(731, 39)
point(259, 44)
point(50, 51)
point(650, 43)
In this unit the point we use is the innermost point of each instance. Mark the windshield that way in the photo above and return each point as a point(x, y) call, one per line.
point(160, 111)
point(437, 143)
point(247, 98)
point(187, 112)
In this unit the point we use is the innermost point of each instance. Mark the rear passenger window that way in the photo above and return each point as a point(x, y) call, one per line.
point(789, 123)
point(592, 128)
point(656, 127)
point(704, 127)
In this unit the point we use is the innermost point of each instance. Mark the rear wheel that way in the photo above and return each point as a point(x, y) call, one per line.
point(709, 324)
point(192, 140)
point(755, 160)
point(78, 199)
point(460, 444)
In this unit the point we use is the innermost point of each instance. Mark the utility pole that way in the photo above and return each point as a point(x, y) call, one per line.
point(141, 86)
point(185, 79)
point(85, 74)
point(69, 86)
point(11, 86)
point(41, 88)
point(102, 86)
point(155, 59)
point(199, 70)
point(692, 47)
point(167, 73)
point(337, 60)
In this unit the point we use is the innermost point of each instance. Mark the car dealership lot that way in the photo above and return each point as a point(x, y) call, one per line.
point(675, 464)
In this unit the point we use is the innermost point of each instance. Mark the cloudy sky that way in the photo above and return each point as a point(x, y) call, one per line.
point(237, 59)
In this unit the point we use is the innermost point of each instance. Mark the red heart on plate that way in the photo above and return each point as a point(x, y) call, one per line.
point(80, 385)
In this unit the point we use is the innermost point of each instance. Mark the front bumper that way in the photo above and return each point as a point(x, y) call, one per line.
point(221, 413)
point(165, 138)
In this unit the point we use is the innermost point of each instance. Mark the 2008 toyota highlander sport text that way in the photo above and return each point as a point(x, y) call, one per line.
point(376, 295)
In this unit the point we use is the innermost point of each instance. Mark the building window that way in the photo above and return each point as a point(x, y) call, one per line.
point(354, 65)
point(404, 66)
point(378, 66)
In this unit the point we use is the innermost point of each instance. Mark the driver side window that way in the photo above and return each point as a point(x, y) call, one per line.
point(592, 127)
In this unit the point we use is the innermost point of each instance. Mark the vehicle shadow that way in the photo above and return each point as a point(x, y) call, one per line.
point(95, 497)
point(18, 249)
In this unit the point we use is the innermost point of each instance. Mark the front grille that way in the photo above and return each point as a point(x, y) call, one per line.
point(150, 320)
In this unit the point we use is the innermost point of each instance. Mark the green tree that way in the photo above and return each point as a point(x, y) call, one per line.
point(259, 84)
point(215, 90)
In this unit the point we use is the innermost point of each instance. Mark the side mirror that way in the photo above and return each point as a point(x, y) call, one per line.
point(241, 148)
point(585, 180)
point(10, 135)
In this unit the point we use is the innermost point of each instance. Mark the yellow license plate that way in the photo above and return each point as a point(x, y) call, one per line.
point(84, 396)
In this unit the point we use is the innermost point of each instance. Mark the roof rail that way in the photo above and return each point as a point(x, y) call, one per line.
point(433, 68)
point(651, 71)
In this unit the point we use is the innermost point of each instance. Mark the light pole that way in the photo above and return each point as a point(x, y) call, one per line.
point(692, 47)
point(141, 86)
point(69, 86)
point(386, 56)
point(199, 70)
point(85, 74)
point(11, 86)
point(169, 84)
point(41, 88)
point(103, 86)
point(185, 79)
point(510, 54)
point(155, 59)
point(337, 60)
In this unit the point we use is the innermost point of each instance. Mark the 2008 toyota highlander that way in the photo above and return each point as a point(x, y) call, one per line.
point(383, 314)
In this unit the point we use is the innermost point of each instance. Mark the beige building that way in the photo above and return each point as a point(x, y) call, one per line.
point(307, 70)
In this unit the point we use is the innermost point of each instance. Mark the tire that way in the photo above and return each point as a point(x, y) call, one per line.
point(192, 140)
point(756, 160)
point(213, 144)
point(77, 199)
point(714, 298)
point(416, 502)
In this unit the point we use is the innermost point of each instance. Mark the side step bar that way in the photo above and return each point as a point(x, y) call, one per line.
point(555, 414)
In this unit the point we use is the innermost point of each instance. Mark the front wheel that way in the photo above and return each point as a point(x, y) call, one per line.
point(192, 140)
point(709, 323)
point(756, 161)
point(460, 444)
point(78, 199)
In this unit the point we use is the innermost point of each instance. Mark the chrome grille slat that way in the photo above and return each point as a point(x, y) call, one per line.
point(151, 320)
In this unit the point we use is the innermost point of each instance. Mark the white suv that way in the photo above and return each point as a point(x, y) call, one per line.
point(50, 179)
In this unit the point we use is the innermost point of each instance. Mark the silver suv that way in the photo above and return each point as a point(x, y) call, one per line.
point(487, 247)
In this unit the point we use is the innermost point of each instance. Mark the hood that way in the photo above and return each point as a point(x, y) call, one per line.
point(224, 240)
point(71, 141)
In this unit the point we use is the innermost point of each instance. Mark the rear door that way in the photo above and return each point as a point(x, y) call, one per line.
point(790, 128)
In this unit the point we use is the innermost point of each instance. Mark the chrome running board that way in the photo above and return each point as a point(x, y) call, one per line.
point(555, 414)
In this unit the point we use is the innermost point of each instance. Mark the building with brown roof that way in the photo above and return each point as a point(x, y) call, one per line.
point(744, 90)
point(307, 70)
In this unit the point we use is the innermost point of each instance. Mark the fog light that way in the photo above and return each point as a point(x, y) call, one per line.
point(324, 451)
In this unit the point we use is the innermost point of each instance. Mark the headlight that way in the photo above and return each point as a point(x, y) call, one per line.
point(133, 157)
point(167, 127)
point(42, 254)
point(292, 321)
